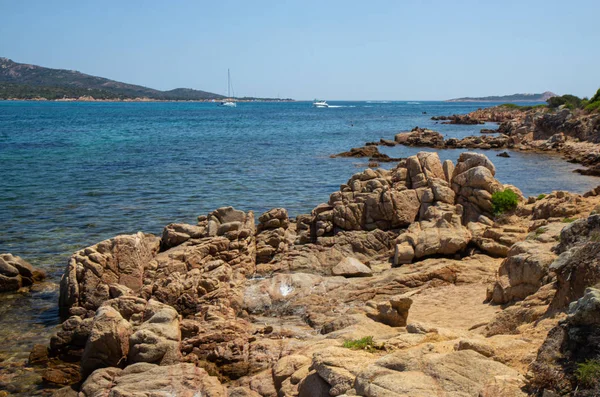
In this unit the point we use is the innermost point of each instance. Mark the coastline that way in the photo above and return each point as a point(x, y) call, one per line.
point(306, 286)
point(571, 134)
point(89, 99)
point(266, 308)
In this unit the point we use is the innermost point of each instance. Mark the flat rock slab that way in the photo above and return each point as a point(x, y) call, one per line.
point(351, 267)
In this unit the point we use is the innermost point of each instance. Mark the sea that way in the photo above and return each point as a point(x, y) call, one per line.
point(75, 173)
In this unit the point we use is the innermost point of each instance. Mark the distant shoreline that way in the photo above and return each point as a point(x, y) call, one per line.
point(139, 100)
point(495, 100)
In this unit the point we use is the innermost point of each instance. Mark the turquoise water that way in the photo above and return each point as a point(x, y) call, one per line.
point(73, 174)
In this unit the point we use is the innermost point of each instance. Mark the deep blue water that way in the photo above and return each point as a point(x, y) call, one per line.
point(73, 174)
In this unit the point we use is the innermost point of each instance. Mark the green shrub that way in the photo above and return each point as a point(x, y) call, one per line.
point(593, 106)
point(510, 106)
point(555, 102)
point(540, 230)
point(570, 101)
point(568, 220)
point(541, 196)
point(505, 200)
point(520, 107)
point(596, 97)
point(365, 343)
point(588, 373)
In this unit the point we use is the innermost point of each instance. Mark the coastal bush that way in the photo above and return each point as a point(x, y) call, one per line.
point(570, 101)
point(574, 102)
point(593, 107)
point(520, 107)
point(503, 201)
point(541, 196)
point(588, 373)
point(569, 220)
point(596, 97)
point(365, 343)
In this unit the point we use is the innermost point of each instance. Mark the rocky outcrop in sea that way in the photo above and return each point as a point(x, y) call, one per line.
point(575, 134)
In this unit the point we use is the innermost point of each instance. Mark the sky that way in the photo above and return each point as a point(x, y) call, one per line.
point(336, 50)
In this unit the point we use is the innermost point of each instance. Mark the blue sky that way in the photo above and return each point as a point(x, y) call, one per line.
point(305, 49)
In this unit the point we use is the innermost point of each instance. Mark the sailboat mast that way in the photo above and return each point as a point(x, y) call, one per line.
point(228, 84)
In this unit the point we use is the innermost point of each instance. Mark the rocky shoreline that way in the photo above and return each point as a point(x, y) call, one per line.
point(407, 282)
point(573, 134)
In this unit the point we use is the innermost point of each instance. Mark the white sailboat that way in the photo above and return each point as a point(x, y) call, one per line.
point(229, 101)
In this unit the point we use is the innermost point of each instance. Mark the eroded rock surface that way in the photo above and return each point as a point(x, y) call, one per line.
point(16, 273)
point(146, 380)
point(283, 308)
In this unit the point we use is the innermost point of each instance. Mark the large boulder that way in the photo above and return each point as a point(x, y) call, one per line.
point(16, 273)
point(440, 233)
point(522, 273)
point(558, 205)
point(227, 221)
point(108, 343)
point(393, 312)
point(436, 201)
point(417, 373)
point(70, 339)
point(574, 340)
point(287, 366)
point(338, 367)
point(473, 183)
point(420, 137)
point(128, 330)
point(147, 380)
point(178, 233)
point(351, 267)
point(90, 272)
point(272, 235)
point(578, 265)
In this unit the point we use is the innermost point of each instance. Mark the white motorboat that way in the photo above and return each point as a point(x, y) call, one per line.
point(229, 101)
point(319, 103)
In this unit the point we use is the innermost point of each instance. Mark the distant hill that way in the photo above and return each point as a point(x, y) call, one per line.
point(23, 81)
point(543, 97)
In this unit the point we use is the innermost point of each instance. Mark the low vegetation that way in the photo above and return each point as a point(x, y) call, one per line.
point(504, 201)
point(541, 196)
point(365, 343)
point(522, 107)
point(588, 374)
point(537, 232)
point(21, 91)
point(573, 102)
point(568, 220)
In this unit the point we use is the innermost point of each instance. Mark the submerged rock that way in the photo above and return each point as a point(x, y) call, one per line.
point(16, 273)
